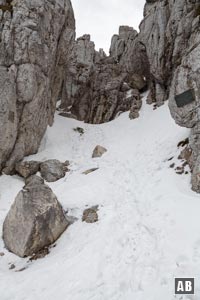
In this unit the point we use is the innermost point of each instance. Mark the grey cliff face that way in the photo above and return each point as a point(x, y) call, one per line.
point(170, 32)
point(128, 50)
point(167, 30)
point(35, 40)
point(96, 85)
point(75, 92)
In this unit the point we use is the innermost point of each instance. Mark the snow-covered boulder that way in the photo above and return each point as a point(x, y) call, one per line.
point(35, 220)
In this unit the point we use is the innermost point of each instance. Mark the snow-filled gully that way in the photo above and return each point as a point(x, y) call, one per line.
point(148, 230)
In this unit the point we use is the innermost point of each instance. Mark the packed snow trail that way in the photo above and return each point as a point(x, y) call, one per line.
point(148, 230)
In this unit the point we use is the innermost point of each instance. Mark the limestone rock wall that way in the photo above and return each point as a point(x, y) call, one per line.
point(35, 40)
point(166, 31)
point(171, 35)
point(96, 85)
point(128, 50)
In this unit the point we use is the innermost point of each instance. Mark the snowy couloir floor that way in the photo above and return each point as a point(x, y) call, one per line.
point(149, 226)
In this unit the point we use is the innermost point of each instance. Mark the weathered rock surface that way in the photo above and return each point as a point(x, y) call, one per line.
point(35, 220)
point(33, 180)
point(96, 86)
point(90, 215)
point(128, 50)
point(27, 168)
point(35, 40)
point(169, 31)
point(171, 35)
point(136, 104)
point(53, 170)
point(196, 176)
point(98, 151)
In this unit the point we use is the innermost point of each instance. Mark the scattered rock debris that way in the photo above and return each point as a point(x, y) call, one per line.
point(12, 266)
point(183, 143)
point(22, 269)
point(90, 215)
point(170, 158)
point(183, 157)
point(40, 254)
point(98, 151)
point(80, 130)
point(90, 171)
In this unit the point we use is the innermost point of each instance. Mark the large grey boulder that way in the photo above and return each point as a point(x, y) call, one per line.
point(52, 170)
point(76, 91)
point(33, 180)
point(35, 44)
point(35, 219)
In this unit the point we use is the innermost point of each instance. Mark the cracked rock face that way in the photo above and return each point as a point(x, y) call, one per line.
point(35, 41)
point(170, 32)
point(128, 50)
point(96, 85)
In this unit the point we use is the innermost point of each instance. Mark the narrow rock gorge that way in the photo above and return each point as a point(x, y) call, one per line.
point(99, 151)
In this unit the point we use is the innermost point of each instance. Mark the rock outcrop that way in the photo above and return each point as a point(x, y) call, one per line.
point(171, 35)
point(168, 33)
point(96, 85)
point(35, 40)
point(35, 220)
point(128, 50)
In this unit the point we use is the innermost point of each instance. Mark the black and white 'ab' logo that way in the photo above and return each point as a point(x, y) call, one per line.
point(184, 286)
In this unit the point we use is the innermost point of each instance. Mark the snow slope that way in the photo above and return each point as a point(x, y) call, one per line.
point(148, 230)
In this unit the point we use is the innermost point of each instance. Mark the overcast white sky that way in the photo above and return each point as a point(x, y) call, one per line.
point(101, 18)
